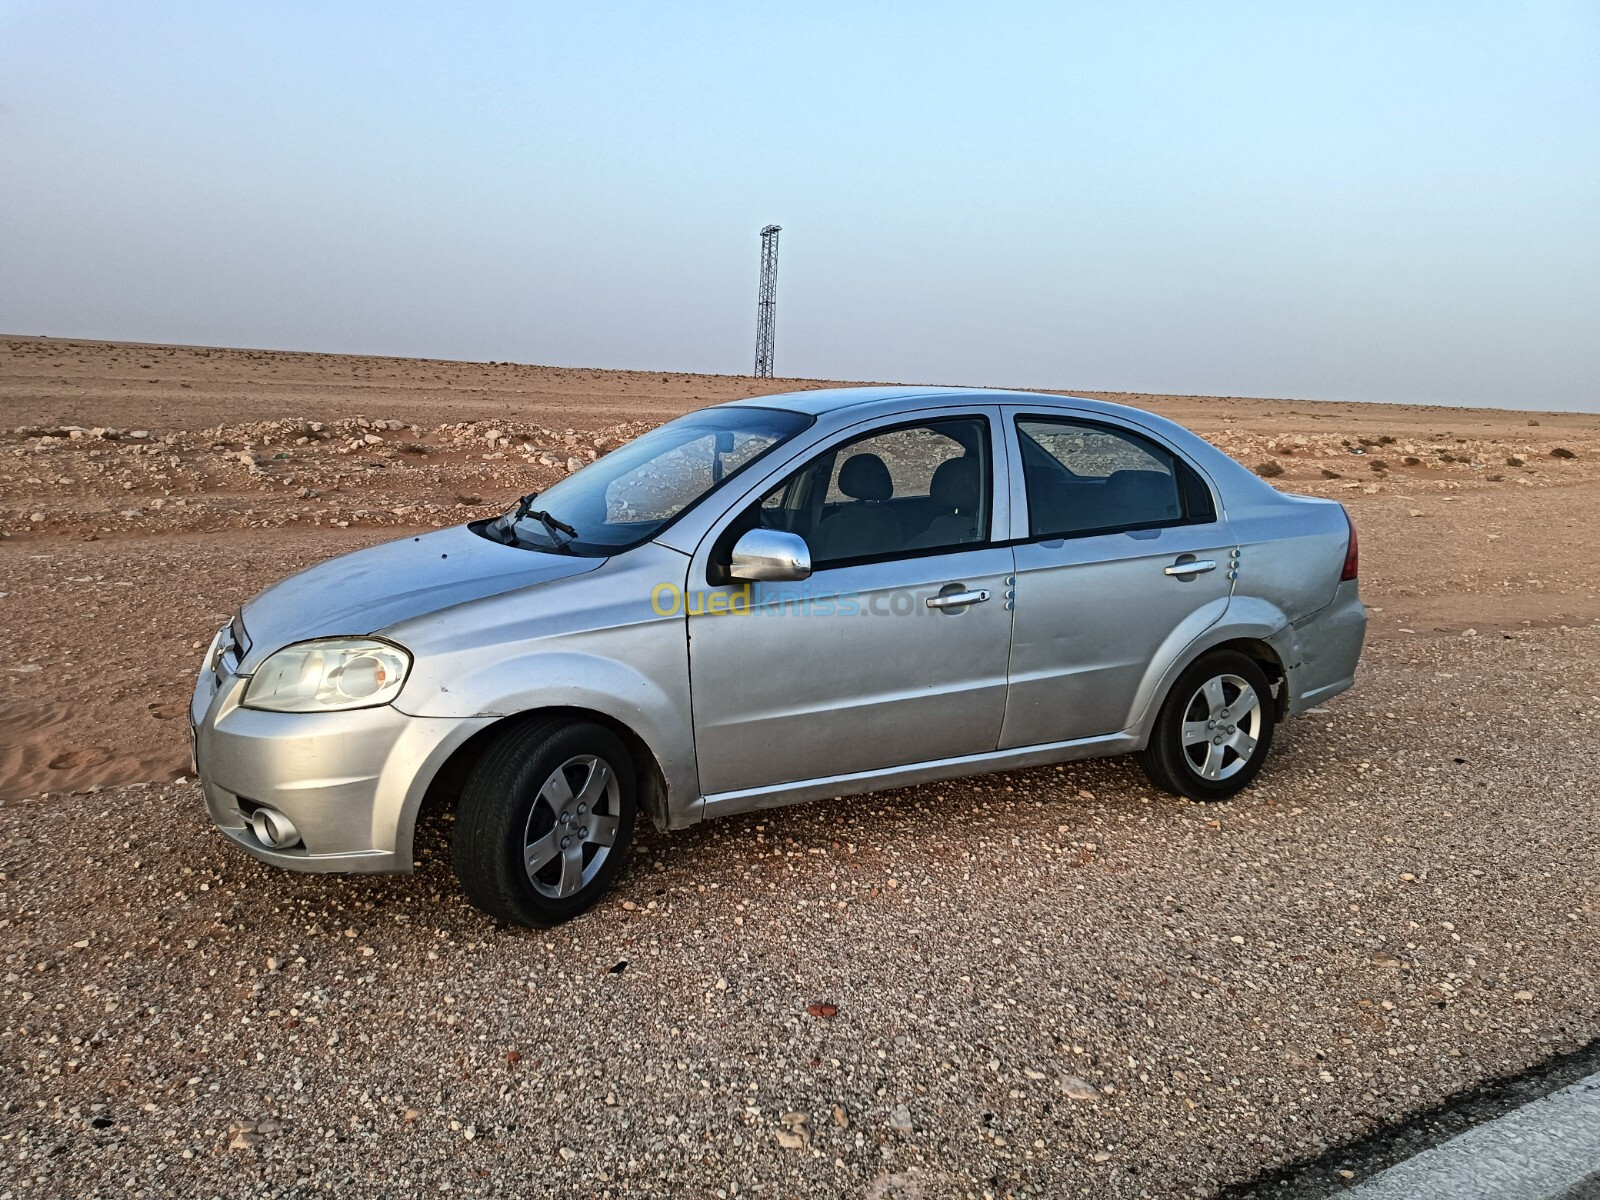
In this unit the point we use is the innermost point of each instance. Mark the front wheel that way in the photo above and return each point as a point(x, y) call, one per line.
point(1214, 729)
point(545, 820)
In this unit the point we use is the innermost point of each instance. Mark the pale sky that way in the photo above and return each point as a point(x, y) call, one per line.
point(1332, 200)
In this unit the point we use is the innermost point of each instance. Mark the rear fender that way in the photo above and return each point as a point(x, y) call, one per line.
point(1320, 651)
point(1246, 617)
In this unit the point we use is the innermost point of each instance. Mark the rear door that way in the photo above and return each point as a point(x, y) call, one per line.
point(1122, 557)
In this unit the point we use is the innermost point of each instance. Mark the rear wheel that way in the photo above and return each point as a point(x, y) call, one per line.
point(1214, 729)
point(545, 820)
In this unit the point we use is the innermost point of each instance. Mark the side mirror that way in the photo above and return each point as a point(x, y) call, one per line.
point(770, 555)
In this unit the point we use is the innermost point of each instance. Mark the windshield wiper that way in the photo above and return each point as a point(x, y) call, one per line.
point(506, 524)
point(554, 523)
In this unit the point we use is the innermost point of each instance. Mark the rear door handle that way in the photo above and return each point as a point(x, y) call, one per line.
point(959, 599)
point(1192, 567)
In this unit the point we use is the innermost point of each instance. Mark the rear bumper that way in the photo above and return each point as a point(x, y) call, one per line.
point(351, 782)
point(1320, 651)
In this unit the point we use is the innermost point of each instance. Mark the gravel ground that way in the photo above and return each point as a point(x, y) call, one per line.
point(1053, 982)
point(1049, 982)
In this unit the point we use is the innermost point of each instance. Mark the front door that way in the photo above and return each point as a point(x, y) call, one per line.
point(853, 670)
point(1113, 519)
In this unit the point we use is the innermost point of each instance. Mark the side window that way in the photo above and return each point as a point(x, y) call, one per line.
point(887, 494)
point(913, 457)
point(1085, 478)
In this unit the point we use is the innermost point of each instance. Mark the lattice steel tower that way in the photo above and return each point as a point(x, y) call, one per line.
point(767, 302)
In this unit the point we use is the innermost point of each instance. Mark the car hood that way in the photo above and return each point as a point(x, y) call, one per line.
point(372, 589)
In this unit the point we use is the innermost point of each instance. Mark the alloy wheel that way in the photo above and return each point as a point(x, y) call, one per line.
point(1221, 726)
point(571, 827)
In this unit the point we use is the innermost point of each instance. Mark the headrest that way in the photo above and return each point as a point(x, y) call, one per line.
point(1155, 490)
point(955, 484)
point(864, 477)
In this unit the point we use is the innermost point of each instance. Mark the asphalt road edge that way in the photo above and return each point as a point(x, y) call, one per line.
point(1396, 1141)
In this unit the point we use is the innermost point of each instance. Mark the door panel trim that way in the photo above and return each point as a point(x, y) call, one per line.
point(854, 704)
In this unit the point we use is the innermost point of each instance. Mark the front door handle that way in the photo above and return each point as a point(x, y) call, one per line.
point(959, 599)
point(1192, 567)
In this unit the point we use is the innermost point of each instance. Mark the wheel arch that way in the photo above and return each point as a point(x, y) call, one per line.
point(1260, 651)
point(1250, 639)
point(443, 791)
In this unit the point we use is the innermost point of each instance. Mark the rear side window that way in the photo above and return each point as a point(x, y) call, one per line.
point(1084, 478)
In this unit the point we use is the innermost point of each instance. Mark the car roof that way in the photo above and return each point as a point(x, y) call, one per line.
point(842, 411)
point(840, 406)
point(820, 401)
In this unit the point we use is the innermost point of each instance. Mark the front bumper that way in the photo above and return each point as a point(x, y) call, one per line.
point(351, 782)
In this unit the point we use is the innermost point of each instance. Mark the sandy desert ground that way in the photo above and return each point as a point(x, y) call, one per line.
point(1049, 982)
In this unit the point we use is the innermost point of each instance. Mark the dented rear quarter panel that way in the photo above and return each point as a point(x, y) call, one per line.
point(1287, 592)
point(1291, 554)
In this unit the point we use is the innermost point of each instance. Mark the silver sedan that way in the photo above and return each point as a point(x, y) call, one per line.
point(782, 599)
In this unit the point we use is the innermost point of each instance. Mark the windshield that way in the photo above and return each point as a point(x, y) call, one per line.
point(629, 495)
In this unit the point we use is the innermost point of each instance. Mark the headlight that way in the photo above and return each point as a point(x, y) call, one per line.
point(328, 675)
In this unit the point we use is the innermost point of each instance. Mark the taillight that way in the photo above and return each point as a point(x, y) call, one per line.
point(1352, 556)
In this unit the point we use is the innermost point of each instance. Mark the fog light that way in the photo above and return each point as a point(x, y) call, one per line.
point(273, 829)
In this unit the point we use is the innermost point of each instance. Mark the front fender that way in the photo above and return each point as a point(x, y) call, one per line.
point(570, 679)
point(1246, 617)
point(595, 641)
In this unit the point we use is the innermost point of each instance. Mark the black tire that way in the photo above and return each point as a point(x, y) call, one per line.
point(1183, 770)
point(511, 814)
